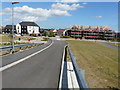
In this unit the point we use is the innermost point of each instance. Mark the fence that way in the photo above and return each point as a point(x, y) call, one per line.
point(79, 73)
point(17, 46)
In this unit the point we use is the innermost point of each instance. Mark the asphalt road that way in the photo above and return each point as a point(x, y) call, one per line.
point(14, 57)
point(39, 71)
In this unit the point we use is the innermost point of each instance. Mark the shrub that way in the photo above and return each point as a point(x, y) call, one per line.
point(64, 36)
point(45, 39)
point(51, 34)
point(34, 35)
point(44, 34)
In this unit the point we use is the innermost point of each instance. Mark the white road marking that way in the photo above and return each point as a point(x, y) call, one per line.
point(23, 59)
point(62, 66)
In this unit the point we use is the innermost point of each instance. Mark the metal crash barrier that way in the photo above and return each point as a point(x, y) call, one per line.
point(79, 73)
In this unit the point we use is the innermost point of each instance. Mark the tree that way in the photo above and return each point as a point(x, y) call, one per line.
point(51, 34)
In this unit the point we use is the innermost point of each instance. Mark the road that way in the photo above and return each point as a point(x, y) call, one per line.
point(39, 71)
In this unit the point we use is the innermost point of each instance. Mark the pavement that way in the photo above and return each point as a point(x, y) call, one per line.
point(109, 45)
point(39, 71)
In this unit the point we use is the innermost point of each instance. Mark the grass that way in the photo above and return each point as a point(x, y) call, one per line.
point(15, 43)
point(100, 63)
point(7, 38)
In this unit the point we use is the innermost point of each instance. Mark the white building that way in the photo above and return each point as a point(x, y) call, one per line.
point(28, 28)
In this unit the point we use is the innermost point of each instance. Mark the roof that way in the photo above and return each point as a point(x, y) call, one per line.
point(10, 27)
point(24, 23)
point(61, 30)
point(51, 30)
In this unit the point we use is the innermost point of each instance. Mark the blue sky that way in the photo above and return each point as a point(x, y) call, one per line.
point(90, 13)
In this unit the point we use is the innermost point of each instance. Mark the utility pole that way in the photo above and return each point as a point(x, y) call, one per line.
point(12, 42)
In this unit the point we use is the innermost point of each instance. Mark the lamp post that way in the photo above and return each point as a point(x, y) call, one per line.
point(13, 26)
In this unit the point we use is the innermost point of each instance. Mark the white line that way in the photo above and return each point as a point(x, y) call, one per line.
point(23, 59)
point(61, 73)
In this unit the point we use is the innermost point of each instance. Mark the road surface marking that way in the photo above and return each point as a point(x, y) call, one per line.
point(62, 66)
point(23, 59)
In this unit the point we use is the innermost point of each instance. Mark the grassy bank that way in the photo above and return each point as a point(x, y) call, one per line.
point(15, 43)
point(7, 38)
point(100, 63)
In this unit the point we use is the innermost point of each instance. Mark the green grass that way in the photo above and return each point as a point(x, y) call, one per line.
point(15, 43)
point(7, 38)
point(100, 63)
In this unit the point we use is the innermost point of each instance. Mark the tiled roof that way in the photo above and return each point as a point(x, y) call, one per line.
point(61, 30)
point(51, 30)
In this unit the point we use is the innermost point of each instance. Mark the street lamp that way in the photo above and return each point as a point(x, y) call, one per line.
point(13, 26)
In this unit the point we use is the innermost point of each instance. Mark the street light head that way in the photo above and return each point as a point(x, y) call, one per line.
point(15, 2)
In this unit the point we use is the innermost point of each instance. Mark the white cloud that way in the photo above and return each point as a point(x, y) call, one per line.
point(67, 1)
point(32, 14)
point(99, 16)
point(26, 13)
point(55, 12)
point(84, 3)
point(66, 6)
point(1, 13)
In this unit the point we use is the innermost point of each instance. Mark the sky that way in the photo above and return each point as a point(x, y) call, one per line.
point(62, 15)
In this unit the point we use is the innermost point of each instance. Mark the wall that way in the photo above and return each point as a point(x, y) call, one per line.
point(18, 28)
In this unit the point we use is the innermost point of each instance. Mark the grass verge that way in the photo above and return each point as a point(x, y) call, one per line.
point(7, 38)
point(100, 63)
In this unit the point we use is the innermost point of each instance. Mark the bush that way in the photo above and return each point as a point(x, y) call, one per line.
point(45, 39)
point(51, 34)
point(6, 44)
point(34, 35)
point(10, 35)
point(64, 36)
point(44, 34)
